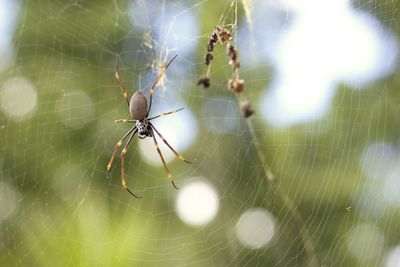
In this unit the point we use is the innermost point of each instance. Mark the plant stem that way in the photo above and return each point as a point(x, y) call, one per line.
point(307, 241)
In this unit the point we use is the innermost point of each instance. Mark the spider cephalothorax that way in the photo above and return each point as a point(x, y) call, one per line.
point(140, 111)
point(143, 128)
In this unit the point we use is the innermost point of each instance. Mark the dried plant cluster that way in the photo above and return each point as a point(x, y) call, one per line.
point(235, 84)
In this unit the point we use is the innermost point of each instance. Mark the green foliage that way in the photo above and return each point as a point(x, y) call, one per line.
point(67, 45)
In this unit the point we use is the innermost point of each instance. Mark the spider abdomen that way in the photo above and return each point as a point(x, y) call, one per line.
point(138, 106)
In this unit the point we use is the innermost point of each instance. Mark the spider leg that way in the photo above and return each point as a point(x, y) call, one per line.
point(117, 146)
point(121, 85)
point(166, 113)
point(170, 178)
point(124, 120)
point(153, 86)
point(179, 156)
point(123, 153)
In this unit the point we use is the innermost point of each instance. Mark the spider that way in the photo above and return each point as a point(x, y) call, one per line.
point(139, 111)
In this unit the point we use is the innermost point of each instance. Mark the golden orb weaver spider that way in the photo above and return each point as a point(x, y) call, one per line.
point(140, 111)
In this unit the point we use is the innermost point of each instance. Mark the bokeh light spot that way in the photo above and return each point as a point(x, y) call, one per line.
point(285, 104)
point(393, 257)
point(149, 152)
point(179, 129)
point(76, 109)
point(365, 242)
point(9, 199)
point(197, 202)
point(70, 182)
point(255, 228)
point(378, 159)
point(18, 98)
point(391, 188)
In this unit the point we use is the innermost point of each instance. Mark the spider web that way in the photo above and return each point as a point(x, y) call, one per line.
point(294, 187)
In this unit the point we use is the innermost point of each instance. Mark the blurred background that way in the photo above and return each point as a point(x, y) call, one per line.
point(322, 77)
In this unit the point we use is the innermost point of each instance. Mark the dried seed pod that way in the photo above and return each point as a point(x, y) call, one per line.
point(211, 42)
point(205, 81)
point(246, 108)
point(236, 85)
point(232, 52)
point(208, 58)
point(223, 34)
point(233, 55)
point(214, 37)
point(210, 48)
